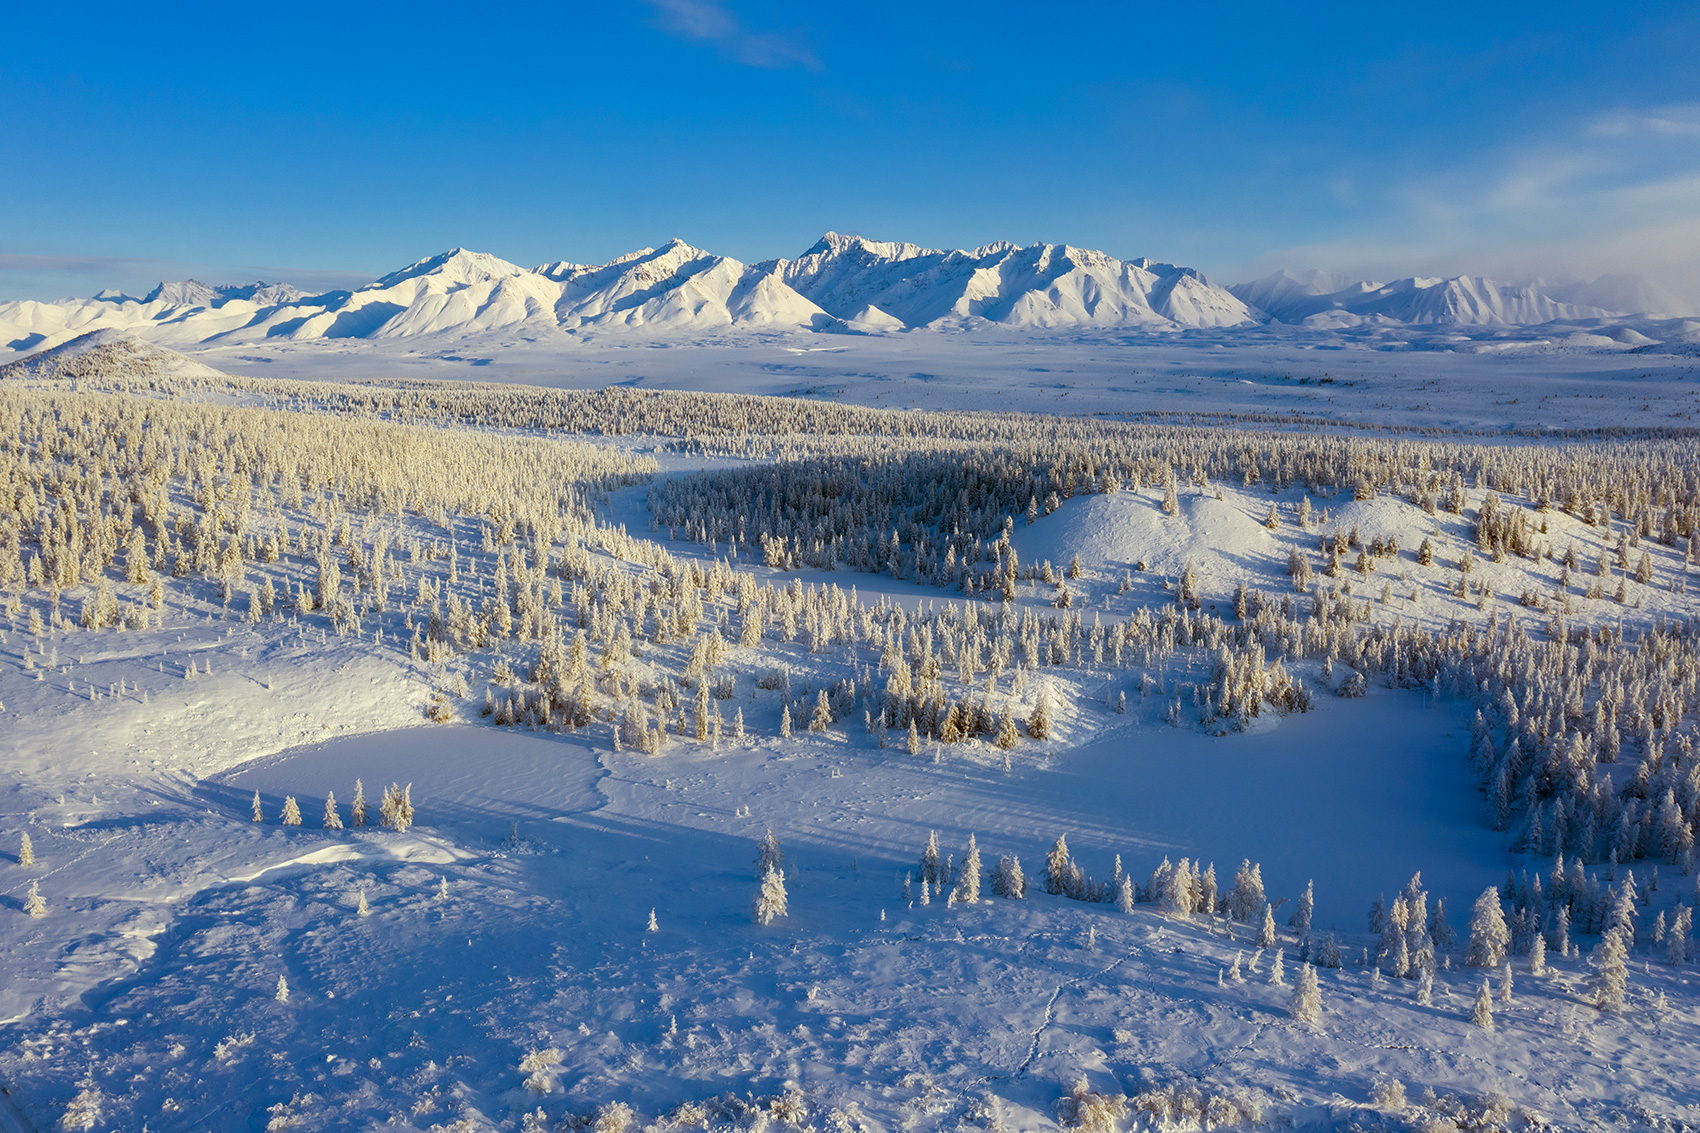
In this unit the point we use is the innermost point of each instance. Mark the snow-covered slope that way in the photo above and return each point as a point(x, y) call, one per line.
point(1320, 298)
point(103, 354)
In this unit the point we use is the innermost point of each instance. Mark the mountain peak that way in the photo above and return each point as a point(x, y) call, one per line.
point(455, 266)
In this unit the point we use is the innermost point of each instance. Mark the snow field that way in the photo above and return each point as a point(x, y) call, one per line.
point(423, 1009)
point(152, 986)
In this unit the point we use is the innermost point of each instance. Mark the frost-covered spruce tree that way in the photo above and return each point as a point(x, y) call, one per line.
point(1010, 882)
point(1482, 1013)
point(1247, 891)
point(821, 720)
point(785, 723)
point(333, 820)
point(291, 811)
point(1489, 937)
point(395, 810)
point(1538, 955)
point(1677, 937)
point(652, 926)
point(1611, 971)
point(1306, 1006)
point(1439, 930)
point(1008, 736)
point(768, 855)
point(26, 851)
point(1124, 895)
point(259, 814)
point(931, 859)
point(282, 995)
point(1039, 723)
point(35, 904)
point(1266, 936)
point(968, 879)
point(1299, 922)
point(1328, 953)
point(914, 745)
point(770, 902)
point(357, 808)
point(1278, 971)
point(1058, 867)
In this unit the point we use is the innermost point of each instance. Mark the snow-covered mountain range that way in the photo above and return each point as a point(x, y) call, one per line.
point(1318, 298)
point(843, 284)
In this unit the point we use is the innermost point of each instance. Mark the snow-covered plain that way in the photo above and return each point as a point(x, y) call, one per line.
point(502, 972)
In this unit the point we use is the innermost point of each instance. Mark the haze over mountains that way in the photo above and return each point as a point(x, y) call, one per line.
point(843, 284)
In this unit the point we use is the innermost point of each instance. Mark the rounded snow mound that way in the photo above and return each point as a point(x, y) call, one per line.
point(101, 354)
point(1225, 538)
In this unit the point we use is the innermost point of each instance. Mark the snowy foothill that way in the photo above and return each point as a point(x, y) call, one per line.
point(445, 756)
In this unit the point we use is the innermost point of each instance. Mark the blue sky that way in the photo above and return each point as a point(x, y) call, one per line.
point(328, 145)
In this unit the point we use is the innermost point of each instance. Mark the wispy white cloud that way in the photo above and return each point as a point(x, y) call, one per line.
point(705, 21)
point(1668, 121)
point(1619, 193)
point(38, 275)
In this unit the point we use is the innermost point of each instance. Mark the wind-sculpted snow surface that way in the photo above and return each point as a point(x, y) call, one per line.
point(413, 755)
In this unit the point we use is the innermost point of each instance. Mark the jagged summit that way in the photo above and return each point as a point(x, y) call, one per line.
point(194, 293)
point(457, 265)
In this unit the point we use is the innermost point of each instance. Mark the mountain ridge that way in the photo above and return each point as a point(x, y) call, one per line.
point(845, 284)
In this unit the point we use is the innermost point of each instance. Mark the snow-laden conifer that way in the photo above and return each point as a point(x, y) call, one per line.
point(291, 811)
point(1039, 723)
point(395, 810)
point(1299, 922)
point(1010, 882)
point(1058, 866)
point(259, 814)
point(333, 820)
point(1678, 936)
point(768, 855)
point(1247, 892)
point(931, 859)
point(968, 879)
point(1482, 1013)
point(1489, 937)
point(770, 901)
point(1266, 935)
point(1611, 971)
point(1306, 1006)
point(26, 851)
point(357, 808)
point(35, 904)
